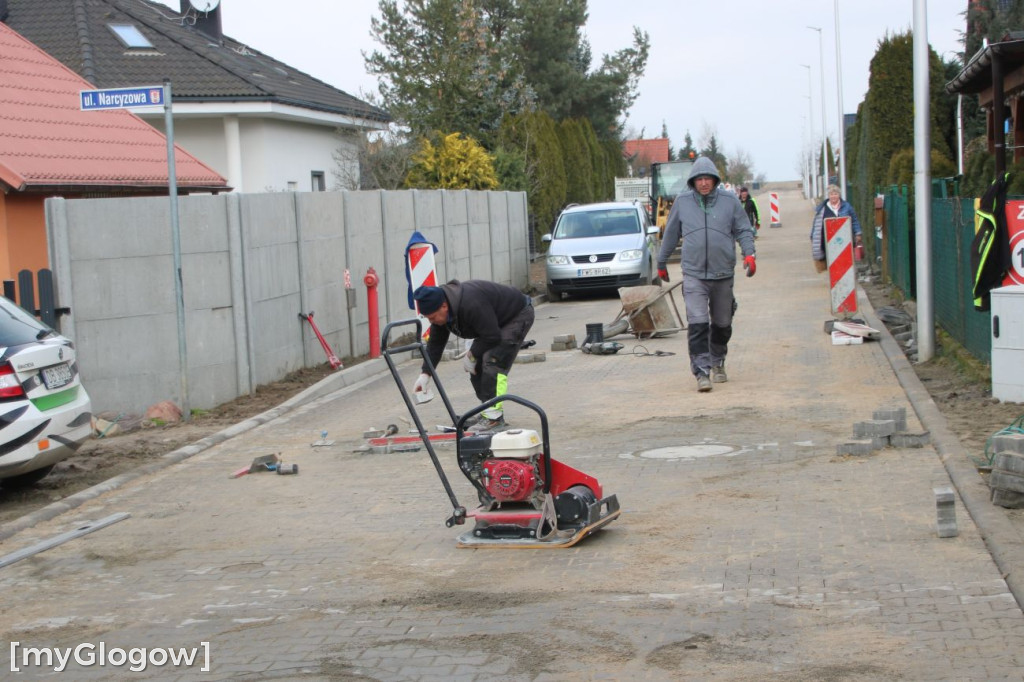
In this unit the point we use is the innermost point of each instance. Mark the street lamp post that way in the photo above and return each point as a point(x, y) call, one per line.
point(824, 126)
point(842, 126)
point(810, 129)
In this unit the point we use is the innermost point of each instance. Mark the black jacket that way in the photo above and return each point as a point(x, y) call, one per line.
point(990, 250)
point(477, 309)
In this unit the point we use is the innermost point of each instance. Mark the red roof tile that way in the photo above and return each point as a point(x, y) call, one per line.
point(653, 151)
point(47, 142)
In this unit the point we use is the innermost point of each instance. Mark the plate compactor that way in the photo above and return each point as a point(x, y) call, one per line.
point(527, 499)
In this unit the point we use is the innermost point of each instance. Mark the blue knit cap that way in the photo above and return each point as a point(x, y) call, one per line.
point(428, 299)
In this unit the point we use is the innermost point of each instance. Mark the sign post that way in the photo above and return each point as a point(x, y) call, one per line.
point(154, 96)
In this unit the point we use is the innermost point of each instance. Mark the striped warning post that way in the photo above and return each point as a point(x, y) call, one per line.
point(422, 274)
point(841, 275)
point(773, 208)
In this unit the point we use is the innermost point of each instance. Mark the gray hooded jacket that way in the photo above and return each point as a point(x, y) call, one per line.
point(709, 226)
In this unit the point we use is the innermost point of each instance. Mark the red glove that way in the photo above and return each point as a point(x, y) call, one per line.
point(663, 274)
point(750, 265)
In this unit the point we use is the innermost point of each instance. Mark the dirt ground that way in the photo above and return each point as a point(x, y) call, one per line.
point(959, 386)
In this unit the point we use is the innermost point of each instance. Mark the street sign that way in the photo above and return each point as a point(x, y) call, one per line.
point(122, 98)
point(1015, 230)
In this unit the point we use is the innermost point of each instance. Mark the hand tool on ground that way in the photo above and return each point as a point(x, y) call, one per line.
point(527, 498)
point(261, 463)
point(332, 359)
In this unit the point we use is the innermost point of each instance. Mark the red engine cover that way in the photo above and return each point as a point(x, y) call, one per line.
point(509, 480)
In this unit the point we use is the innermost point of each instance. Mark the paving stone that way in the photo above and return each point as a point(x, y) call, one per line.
point(874, 427)
point(896, 414)
point(1007, 442)
point(1006, 480)
point(910, 440)
point(1007, 499)
point(945, 509)
point(1012, 462)
point(856, 447)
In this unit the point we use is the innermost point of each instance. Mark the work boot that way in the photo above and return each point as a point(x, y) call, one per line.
point(486, 425)
point(718, 374)
point(703, 383)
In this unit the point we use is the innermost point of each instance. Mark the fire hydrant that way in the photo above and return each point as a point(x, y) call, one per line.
point(371, 280)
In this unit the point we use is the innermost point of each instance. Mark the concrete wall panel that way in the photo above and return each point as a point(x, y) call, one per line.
point(320, 226)
point(123, 287)
point(480, 254)
point(456, 252)
point(211, 357)
point(135, 227)
point(250, 264)
point(501, 254)
point(364, 213)
point(125, 362)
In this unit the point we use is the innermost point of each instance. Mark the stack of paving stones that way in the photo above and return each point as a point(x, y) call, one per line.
point(1007, 478)
point(887, 428)
point(564, 342)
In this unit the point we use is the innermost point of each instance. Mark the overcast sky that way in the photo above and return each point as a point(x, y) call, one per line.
point(733, 68)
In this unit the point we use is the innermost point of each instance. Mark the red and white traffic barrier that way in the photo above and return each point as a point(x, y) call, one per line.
point(841, 274)
point(773, 207)
point(422, 273)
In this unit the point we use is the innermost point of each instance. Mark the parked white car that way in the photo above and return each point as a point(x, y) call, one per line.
point(601, 247)
point(45, 412)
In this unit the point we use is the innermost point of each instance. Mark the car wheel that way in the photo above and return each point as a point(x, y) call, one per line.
point(25, 480)
point(554, 295)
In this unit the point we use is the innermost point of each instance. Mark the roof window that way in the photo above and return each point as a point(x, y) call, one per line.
point(130, 36)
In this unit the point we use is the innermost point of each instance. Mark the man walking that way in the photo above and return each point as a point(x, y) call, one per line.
point(749, 204)
point(709, 222)
point(496, 316)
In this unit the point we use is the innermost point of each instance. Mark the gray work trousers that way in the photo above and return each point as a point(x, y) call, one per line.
point(709, 309)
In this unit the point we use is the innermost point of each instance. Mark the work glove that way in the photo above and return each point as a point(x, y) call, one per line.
point(469, 362)
point(751, 265)
point(663, 274)
point(422, 384)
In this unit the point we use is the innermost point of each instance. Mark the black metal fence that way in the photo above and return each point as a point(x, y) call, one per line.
point(47, 311)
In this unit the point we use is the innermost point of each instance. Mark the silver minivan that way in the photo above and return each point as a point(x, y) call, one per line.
point(601, 247)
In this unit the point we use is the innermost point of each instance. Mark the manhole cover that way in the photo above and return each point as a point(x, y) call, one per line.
point(688, 451)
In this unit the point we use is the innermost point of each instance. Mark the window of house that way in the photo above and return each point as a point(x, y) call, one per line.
point(130, 36)
point(293, 186)
point(319, 181)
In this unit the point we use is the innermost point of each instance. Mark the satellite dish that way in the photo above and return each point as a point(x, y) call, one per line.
point(204, 5)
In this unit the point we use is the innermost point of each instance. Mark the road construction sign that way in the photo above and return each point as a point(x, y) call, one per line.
point(841, 274)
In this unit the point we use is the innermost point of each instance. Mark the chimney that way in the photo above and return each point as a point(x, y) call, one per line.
point(208, 23)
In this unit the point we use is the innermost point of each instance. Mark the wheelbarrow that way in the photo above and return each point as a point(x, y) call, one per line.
point(647, 312)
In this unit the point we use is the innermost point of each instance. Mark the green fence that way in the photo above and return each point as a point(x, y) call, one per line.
point(898, 240)
point(952, 231)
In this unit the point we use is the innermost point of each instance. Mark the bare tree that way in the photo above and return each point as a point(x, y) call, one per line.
point(741, 167)
point(378, 160)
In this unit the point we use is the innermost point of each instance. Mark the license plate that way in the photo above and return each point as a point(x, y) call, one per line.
point(56, 376)
point(593, 272)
